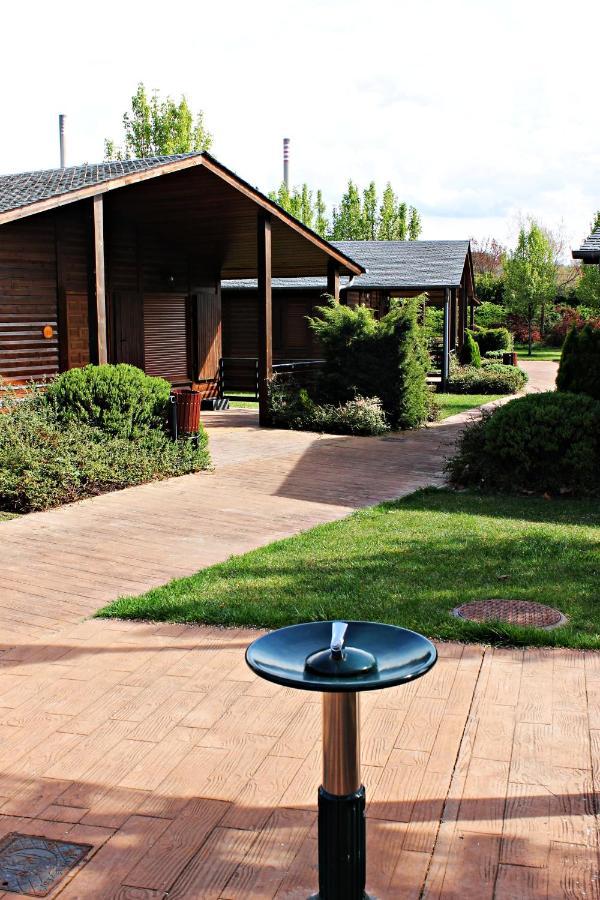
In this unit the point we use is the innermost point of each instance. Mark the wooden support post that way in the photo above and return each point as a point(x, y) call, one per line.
point(265, 315)
point(333, 279)
point(99, 282)
point(462, 316)
point(472, 314)
point(446, 344)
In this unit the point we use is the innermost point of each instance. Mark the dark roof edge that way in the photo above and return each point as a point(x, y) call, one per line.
point(591, 256)
point(176, 165)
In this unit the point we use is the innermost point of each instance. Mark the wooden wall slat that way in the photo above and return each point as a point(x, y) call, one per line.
point(28, 299)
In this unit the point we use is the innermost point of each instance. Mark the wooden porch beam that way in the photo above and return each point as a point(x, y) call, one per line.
point(333, 279)
point(446, 343)
point(265, 314)
point(99, 282)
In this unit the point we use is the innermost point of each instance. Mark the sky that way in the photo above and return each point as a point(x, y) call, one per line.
point(479, 112)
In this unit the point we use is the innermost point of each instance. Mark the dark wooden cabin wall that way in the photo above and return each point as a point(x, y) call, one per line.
point(292, 337)
point(28, 299)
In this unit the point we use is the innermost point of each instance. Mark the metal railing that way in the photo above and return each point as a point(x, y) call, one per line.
point(238, 375)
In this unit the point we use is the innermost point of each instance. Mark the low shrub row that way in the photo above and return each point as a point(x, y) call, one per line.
point(541, 443)
point(291, 407)
point(493, 378)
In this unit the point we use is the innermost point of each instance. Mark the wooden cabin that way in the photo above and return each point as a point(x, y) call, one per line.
point(123, 262)
point(393, 269)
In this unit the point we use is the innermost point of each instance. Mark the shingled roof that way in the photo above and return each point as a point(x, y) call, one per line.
point(590, 249)
point(27, 188)
point(389, 264)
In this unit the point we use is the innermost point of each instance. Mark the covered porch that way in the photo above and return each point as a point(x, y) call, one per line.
point(132, 255)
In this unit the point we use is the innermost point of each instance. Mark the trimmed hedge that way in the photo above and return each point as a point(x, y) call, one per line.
point(493, 378)
point(492, 339)
point(579, 369)
point(541, 443)
point(120, 400)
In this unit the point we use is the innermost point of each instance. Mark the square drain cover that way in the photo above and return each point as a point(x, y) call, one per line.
point(34, 865)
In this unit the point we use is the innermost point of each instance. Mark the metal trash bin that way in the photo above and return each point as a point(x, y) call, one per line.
point(341, 659)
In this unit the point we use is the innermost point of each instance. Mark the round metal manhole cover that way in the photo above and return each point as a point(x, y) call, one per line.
point(515, 612)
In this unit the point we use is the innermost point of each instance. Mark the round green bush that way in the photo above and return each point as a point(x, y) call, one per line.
point(492, 339)
point(541, 443)
point(120, 400)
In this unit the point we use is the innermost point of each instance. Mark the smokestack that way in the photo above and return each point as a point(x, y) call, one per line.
point(286, 162)
point(61, 136)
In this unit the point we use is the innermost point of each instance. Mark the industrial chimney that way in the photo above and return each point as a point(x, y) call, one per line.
point(286, 162)
point(61, 137)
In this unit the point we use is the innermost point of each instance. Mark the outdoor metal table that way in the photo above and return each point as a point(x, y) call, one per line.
point(341, 659)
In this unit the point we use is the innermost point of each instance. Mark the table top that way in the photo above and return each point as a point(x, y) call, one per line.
point(400, 656)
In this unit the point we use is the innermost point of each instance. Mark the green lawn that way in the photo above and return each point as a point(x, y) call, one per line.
point(451, 404)
point(409, 562)
point(539, 352)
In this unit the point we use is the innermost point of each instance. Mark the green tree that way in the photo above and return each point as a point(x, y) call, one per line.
point(587, 290)
point(370, 212)
point(299, 203)
point(321, 221)
point(530, 275)
point(157, 127)
point(348, 221)
point(402, 222)
point(388, 216)
point(414, 224)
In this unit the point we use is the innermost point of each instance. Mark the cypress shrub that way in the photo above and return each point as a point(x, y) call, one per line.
point(545, 443)
point(470, 354)
point(579, 369)
point(366, 357)
point(120, 400)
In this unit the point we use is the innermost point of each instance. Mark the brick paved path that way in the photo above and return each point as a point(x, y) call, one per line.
point(192, 779)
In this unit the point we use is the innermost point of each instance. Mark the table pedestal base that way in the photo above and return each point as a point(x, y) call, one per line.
point(342, 846)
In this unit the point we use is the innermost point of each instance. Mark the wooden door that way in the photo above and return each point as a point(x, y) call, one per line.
point(128, 318)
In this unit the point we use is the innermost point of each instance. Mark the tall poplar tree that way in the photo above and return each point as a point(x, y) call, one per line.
point(321, 221)
point(388, 216)
point(348, 222)
point(370, 213)
point(414, 224)
point(159, 127)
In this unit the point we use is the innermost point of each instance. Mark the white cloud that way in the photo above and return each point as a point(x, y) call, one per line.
point(476, 110)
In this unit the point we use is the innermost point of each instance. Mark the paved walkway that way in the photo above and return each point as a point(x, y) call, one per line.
point(190, 778)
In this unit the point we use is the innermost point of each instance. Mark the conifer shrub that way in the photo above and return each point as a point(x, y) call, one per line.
point(291, 407)
point(368, 358)
point(469, 352)
point(541, 443)
point(579, 368)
